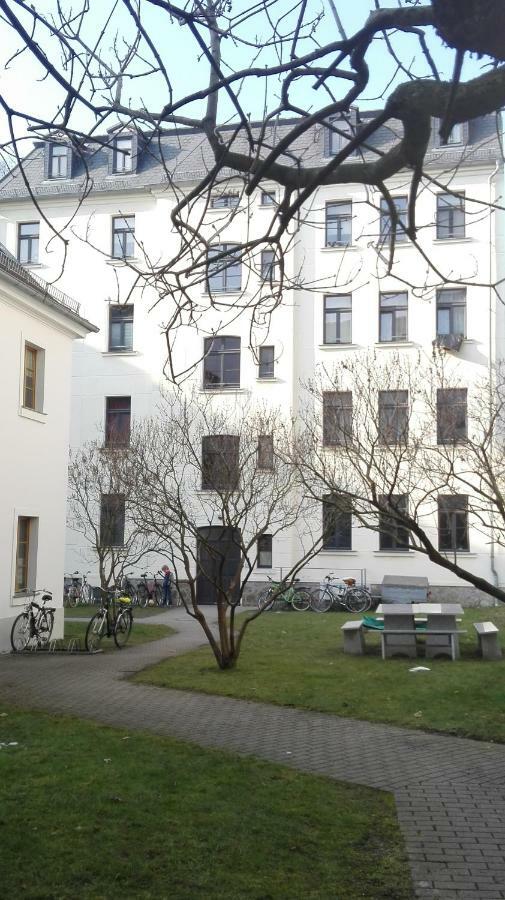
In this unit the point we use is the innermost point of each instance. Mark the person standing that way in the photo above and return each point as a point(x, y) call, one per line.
point(166, 599)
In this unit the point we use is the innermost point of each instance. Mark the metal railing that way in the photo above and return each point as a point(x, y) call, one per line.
point(9, 264)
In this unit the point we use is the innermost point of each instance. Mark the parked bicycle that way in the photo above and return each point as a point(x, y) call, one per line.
point(79, 591)
point(113, 619)
point(148, 591)
point(32, 628)
point(340, 593)
point(129, 589)
point(280, 594)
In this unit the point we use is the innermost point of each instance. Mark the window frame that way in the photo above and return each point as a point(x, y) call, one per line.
point(337, 312)
point(126, 318)
point(122, 438)
point(118, 537)
point(452, 236)
point(58, 156)
point(451, 510)
point(228, 200)
point(332, 541)
point(126, 155)
point(348, 126)
point(272, 201)
point(30, 349)
point(338, 220)
point(266, 368)
point(125, 234)
point(400, 409)
point(223, 353)
point(268, 539)
point(391, 533)
point(18, 587)
point(32, 240)
point(450, 307)
point(455, 402)
point(226, 477)
point(395, 313)
point(265, 460)
point(268, 269)
point(385, 223)
point(337, 419)
point(224, 270)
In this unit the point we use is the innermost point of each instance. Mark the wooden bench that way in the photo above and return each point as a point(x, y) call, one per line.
point(451, 646)
point(354, 641)
point(487, 636)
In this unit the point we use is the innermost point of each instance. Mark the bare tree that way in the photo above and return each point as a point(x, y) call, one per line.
point(211, 485)
point(417, 447)
point(99, 508)
point(306, 63)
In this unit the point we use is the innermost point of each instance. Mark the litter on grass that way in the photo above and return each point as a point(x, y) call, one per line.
point(420, 669)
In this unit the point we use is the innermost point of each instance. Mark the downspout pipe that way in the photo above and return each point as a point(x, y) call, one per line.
point(491, 355)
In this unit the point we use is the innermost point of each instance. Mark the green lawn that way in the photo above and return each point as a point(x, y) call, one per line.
point(140, 634)
point(296, 659)
point(87, 610)
point(95, 813)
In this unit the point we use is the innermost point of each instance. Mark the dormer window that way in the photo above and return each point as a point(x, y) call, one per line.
point(341, 129)
point(458, 135)
point(122, 155)
point(58, 161)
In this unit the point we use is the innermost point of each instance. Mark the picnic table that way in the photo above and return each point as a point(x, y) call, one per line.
point(405, 622)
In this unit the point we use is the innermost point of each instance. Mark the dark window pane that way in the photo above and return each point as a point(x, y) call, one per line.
point(453, 523)
point(337, 319)
point(337, 523)
point(224, 201)
point(221, 365)
point(121, 328)
point(28, 242)
point(400, 204)
point(338, 224)
point(117, 421)
point(393, 317)
point(265, 551)
point(450, 216)
point(451, 311)
point(123, 236)
point(220, 462)
point(265, 451)
point(268, 198)
point(224, 274)
point(393, 417)
point(112, 520)
point(268, 265)
point(58, 155)
point(393, 535)
point(266, 362)
point(451, 415)
point(337, 418)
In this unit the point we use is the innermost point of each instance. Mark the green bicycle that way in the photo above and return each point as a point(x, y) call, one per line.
point(278, 597)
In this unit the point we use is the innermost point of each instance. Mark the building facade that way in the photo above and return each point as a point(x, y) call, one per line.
point(340, 298)
point(39, 327)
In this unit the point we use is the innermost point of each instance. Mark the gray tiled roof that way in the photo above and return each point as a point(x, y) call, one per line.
point(186, 156)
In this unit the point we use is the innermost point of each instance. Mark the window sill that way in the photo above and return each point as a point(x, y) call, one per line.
point(394, 553)
point(450, 554)
point(32, 265)
point(121, 353)
point(221, 209)
point(339, 552)
point(123, 261)
point(390, 345)
point(454, 240)
point(33, 414)
point(340, 346)
point(113, 175)
point(223, 390)
point(269, 380)
point(235, 293)
point(341, 248)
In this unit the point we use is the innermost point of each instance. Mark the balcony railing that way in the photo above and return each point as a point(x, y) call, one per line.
point(10, 265)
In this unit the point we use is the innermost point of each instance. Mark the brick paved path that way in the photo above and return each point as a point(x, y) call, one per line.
point(450, 792)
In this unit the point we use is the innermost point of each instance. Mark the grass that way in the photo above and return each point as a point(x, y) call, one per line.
point(94, 812)
point(296, 659)
point(86, 610)
point(140, 634)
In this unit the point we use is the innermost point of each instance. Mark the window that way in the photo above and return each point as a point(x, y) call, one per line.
point(58, 161)
point(24, 547)
point(453, 523)
point(265, 551)
point(400, 204)
point(340, 130)
point(337, 418)
point(221, 365)
point(458, 134)
point(123, 237)
point(112, 520)
point(393, 417)
point(120, 328)
point(268, 198)
point(451, 312)
point(266, 367)
point(451, 415)
point(122, 155)
point(30, 377)
point(268, 265)
point(338, 224)
point(117, 421)
point(450, 216)
point(28, 242)
point(393, 317)
point(220, 462)
point(224, 201)
point(337, 319)
point(224, 274)
point(337, 523)
point(393, 535)
point(265, 452)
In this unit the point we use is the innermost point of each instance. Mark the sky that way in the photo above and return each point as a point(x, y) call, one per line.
point(23, 86)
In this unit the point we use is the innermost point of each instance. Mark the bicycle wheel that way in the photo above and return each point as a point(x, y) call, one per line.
point(143, 595)
point(158, 594)
point(20, 632)
point(95, 632)
point(123, 627)
point(301, 599)
point(86, 593)
point(320, 600)
point(44, 626)
point(265, 599)
point(72, 597)
point(357, 600)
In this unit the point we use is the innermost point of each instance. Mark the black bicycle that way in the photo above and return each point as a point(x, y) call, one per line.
point(113, 619)
point(129, 589)
point(32, 628)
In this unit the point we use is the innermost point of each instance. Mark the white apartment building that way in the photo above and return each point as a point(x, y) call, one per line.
point(39, 327)
point(339, 299)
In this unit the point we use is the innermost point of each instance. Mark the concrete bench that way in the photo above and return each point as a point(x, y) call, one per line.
point(487, 636)
point(354, 641)
point(450, 646)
